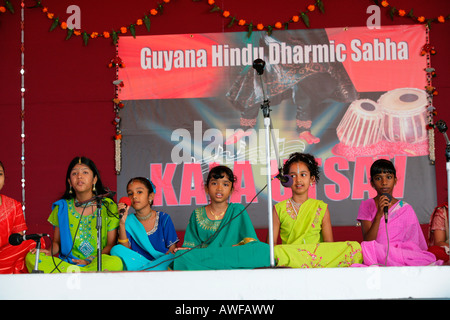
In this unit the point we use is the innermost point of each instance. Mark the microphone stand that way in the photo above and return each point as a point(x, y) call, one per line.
point(98, 199)
point(36, 261)
point(99, 233)
point(442, 127)
point(258, 64)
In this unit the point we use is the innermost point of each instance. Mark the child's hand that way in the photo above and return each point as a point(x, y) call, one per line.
point(123, 206)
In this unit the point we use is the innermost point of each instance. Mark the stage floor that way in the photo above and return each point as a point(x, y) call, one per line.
point(431, 282)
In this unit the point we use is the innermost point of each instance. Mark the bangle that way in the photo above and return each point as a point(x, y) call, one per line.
point(123, 241)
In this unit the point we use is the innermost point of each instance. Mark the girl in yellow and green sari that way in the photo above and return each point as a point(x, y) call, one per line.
point(304, 224)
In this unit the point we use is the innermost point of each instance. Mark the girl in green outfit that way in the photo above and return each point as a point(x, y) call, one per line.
point(304, 224)
point(74, 219)
point(220, 235)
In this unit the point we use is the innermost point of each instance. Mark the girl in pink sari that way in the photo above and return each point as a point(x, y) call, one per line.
point(394, 238)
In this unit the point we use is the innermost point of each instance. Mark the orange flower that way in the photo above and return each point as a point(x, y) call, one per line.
point(2, 9)
point(226, 14)
point(211, 2)
point(278, 25)
point(153, 12)
point(63, 25)
point(421, 19)
point(50, 15)
point(123, 29)
point(94, 35)
point(44, 9)
point(384, 3)
point(77, 33)
point(139, 22)
point(441, 19)
point(295, 18)
point(241, 22)
point(166, 1)
point(401, 13)
point(260, 26)
point(311, 7)
point(106, 34)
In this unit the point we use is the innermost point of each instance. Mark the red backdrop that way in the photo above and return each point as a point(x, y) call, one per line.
point(69, 90)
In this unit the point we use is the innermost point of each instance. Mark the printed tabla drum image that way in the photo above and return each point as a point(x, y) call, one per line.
point(361, 125)
point(404, 115)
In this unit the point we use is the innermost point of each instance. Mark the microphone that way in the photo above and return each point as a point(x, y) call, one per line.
point(108, 194)
point(16, 239)
point(285, 180)
point(127, 202)
point(386, 208)
point(258, 65)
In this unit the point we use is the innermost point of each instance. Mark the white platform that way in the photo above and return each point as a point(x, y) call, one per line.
point(262, 284)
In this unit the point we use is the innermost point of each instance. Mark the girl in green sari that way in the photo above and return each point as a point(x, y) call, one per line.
point(304, 224)
point(220, 235)
point(74, 218)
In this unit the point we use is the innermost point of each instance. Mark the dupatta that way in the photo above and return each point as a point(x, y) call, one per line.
point(221, 250)
point(65, 253)
point(135, 261)
point(304, 227)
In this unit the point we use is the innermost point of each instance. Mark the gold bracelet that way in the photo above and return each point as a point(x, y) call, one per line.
point(123, 241)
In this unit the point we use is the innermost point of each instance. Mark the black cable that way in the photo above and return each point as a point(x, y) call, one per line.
point(213, 235)
point(73, 243)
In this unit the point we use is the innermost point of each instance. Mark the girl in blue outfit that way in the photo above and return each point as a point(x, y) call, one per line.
point(147, 238)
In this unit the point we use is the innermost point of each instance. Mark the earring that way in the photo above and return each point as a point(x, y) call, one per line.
point(93, 188)
point(70, 190)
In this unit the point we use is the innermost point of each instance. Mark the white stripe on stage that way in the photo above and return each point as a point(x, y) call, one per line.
point(432, 282)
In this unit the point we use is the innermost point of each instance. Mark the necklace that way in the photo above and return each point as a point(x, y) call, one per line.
point(144, 217)
point(217, 216)
point(296, 206)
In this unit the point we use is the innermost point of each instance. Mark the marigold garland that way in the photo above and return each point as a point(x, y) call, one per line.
point(393, 11)
point(145, 21)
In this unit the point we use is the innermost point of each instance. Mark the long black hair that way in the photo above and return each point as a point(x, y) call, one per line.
point(100, 188)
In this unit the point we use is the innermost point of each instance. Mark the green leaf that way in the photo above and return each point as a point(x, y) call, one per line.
point(320, 6)
point(233, 19)
point(410, 14)
point(9, 6)
point(133, 30)
point(215, 9)
point(269, 30)
point(147, 23)
point(305, 18)
point(391, 13)
point(69, 34)
point(115, 37)
point(85, 38)
point(250, 30)
point(54, 24)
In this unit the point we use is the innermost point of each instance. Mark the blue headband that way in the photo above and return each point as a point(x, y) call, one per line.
point(153, 186)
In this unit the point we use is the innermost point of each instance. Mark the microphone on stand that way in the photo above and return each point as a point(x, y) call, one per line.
point(127, 202)
point(16, 239)
point(386, 208)
point(285, 179)
point(108, 194)
point(258, 65)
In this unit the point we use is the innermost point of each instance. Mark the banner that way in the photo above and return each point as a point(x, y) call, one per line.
point(346, 95)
